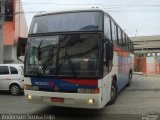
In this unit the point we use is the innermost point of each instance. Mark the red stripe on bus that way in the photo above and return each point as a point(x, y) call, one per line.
point(121, 52)
point(82, 81)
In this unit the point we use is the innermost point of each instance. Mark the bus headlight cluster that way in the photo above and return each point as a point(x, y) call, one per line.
point(30, 87)
point(89, 91)
point(91, 101)
point(29, 97)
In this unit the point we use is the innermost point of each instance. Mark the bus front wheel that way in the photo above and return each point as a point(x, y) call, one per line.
point(114, 93)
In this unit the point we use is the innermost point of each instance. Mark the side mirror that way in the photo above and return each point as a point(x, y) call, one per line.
point(109, 52)
point(21, 46)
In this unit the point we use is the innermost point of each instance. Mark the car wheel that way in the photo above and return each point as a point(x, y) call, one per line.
point(15, 89)
point(114, 93)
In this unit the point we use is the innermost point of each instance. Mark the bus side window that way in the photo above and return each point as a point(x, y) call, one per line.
point(127, 43)
point(114, 32)
point(124, 40)
point(107, 27)
point(120, 37)
point(132, 47)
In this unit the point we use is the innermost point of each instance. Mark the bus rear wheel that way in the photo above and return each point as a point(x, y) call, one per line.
point(129, 79)
point(114, 93)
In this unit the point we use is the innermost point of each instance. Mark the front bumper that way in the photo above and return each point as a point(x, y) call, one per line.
point(75, 100)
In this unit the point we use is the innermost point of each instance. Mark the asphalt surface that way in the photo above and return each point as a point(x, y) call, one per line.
point(140, 101)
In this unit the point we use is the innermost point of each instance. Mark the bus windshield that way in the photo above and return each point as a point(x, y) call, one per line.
point(64, 55)
point(78, 21)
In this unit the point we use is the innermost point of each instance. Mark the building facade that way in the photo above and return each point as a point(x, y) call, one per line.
point(147, 54)
point(15, 27)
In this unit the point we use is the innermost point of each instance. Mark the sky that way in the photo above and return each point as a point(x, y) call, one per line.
point(136, 17)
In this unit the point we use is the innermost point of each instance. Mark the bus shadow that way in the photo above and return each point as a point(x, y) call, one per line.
point(4, 93)
point(71, 113)
point(8, 93)
point(62, 113)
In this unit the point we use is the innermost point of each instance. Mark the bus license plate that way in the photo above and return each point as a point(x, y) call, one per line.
point(59, 100)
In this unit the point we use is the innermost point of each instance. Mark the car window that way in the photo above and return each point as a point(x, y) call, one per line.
point(4, 70)
point(13, 70)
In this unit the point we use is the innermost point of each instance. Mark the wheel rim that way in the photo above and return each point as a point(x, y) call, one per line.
point(113, 92)
point(14, 90)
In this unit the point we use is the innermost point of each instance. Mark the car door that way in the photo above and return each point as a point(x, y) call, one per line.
point(4, 78)
point(15, 77)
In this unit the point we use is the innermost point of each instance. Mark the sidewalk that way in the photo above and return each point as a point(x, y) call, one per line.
point(137, 73)
point(141, 74)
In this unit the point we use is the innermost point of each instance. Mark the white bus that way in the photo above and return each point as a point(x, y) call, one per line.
point(78, 58)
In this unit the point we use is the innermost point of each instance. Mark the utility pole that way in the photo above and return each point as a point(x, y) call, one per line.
point(1, 30)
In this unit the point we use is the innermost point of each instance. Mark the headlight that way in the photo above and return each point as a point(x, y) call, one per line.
point(89, 91)
point(29, 97)
point(91, 101)
point(30, 87)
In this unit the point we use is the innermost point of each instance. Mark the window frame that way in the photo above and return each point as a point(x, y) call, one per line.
point(8, 71)
point(114, 32)
point(120, 40)
point(11, 70)
point(100, 27)
point(127, 43)
point(110, 27)
point(124, 40)
point(129, 47)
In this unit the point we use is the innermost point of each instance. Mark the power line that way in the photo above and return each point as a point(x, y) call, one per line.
point(107, 10)
point(111, 5)
point(51, 3)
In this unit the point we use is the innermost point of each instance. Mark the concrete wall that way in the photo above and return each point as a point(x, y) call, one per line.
point(146, 44)
point(147, 65)
point(153, 65)
point(21, 29)
point(10, 56)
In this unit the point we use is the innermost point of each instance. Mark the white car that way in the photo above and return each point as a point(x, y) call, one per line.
point(11, 78)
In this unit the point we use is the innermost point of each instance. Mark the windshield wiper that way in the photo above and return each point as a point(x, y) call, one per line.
point(48, 60)
point(67, 57)
point(38, 48)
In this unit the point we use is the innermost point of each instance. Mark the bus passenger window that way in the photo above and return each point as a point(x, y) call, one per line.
point(107, 29)
point(124, 40)
point(114, 32)
point(120, 37)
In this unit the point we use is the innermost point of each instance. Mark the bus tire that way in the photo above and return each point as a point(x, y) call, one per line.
point(114, 93)
point(129, 79)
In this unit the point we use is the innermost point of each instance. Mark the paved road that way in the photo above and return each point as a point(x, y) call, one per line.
point(142, 97)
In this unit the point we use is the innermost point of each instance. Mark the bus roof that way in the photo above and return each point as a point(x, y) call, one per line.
point(68, 10)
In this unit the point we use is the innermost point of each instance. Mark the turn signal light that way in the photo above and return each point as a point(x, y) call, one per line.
point(89, 91)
